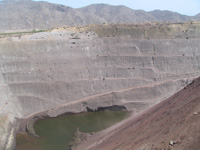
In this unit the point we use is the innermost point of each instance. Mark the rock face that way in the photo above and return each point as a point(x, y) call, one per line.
point(69, 71)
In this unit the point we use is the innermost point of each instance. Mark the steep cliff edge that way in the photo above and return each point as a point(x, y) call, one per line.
point(81, 68)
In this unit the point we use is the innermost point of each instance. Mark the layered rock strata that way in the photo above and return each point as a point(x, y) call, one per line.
point(65, 71)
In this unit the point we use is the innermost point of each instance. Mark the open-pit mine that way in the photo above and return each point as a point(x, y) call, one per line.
point(78, 69)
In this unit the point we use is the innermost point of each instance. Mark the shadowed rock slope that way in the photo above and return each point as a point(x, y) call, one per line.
point(175, 119)
point(27, 14)
point(76, 69)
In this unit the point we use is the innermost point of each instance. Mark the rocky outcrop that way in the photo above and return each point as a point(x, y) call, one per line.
point(7, 131)
point(71, 70)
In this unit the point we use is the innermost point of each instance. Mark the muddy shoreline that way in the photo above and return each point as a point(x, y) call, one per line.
point(27, 124)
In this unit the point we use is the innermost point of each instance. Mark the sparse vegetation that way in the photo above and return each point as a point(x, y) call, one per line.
point(25, 32)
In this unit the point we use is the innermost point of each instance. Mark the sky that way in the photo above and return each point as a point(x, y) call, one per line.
point(186, 7)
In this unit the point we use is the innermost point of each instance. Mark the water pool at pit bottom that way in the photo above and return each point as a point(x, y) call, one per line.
point(56, 133)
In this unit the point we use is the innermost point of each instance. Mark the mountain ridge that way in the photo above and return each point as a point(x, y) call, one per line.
point(28, 14)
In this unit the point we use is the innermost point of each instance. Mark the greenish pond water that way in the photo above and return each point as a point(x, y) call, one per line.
point(56, 133)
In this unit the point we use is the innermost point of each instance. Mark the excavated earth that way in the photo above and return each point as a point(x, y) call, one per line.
point(76, 69)
point(170, 125)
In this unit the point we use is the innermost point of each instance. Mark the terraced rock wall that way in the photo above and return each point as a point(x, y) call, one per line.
point(43, 74)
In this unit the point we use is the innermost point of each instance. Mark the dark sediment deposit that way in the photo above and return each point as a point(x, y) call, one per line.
point(76, 69)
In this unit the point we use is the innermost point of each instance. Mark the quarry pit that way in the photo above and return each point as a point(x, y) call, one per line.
point(76, 69)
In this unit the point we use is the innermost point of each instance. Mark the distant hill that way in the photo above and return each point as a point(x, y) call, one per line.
point(27, 14)
point(169, 16)
point(197, 17)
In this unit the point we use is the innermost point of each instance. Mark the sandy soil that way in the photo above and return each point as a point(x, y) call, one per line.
point(176, 119)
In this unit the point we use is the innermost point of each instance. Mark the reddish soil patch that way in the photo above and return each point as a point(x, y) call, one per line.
point(177, 119)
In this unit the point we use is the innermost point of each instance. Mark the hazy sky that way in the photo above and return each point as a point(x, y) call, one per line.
point(187, 7)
